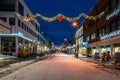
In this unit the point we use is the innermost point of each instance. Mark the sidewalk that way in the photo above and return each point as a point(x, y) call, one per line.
point(9, 65)
point(103, 66)
point(4, 57)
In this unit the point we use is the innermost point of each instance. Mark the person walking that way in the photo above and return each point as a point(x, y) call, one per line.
point(108, 57)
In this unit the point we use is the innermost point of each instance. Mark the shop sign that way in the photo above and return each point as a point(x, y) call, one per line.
point(116, 12)
point(85, 43)
point(112, 34)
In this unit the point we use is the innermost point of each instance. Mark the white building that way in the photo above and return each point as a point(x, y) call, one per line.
point(81, 50)
point(23, 36)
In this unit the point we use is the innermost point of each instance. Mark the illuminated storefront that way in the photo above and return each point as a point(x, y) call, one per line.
point(16, 44)
point(105, 33)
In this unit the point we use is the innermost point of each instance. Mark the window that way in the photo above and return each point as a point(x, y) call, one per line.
point(22, 25)
point(93, 36)
point(100, 32)
point(7, 5)
point(8, 45)
point(113, 27)
point(118, 24)
point(19, 23)
point(107, 8)
point(88, 38)
point(113, 3)
point(4, 19)
point(12, 21)
point(20, 9)
point(106, 29)
point(103, 32)
point(25, 27)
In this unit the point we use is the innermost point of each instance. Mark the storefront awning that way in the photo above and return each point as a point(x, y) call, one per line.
point(113, 40)
point(19, 34)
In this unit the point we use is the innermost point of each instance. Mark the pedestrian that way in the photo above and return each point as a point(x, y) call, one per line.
point(108, 57)
point(103, 57)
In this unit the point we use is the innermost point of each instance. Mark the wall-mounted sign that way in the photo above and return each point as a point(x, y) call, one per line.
point(85, 43)
point(112, 34)
point(116, 12)
point(19, 34)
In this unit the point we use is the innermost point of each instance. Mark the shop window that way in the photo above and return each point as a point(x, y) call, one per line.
point(8, 45)
point(118, 24)
point(12, 21)
point(113, 27)
point(4, 19)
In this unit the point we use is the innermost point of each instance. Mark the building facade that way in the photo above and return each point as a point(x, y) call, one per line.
point(80, 47)
point(23, 36)
point(103, 34)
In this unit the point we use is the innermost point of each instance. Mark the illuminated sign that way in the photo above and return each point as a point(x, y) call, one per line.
point(112, 34)
point(19, 34)
point(85, 43)
point(116, 12)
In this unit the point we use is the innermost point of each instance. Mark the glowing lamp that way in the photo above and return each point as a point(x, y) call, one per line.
point(74, 24)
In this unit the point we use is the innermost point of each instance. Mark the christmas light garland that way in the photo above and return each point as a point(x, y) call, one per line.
point(59, 17)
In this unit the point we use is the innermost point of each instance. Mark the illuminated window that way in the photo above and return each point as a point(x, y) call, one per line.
point(8, 45)
point(93, 36)
point(88, 38)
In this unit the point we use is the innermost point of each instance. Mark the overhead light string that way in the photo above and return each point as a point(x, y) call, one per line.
point(59, 17)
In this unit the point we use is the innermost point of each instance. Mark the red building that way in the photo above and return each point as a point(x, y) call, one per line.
point(104, 33)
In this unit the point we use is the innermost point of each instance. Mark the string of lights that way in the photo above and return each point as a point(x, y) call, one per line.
point(59, 17)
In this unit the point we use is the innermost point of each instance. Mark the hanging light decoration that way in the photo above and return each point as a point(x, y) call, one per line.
point(59, 17)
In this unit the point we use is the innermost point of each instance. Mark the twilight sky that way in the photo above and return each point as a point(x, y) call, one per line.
point(57, 31)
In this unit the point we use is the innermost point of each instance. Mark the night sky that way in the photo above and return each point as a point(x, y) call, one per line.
point(57, 31)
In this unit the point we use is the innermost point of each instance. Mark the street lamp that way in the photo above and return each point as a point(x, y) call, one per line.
point(75, 24)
